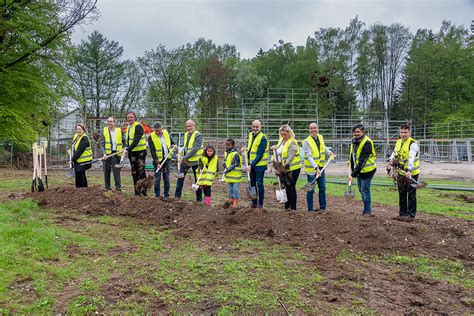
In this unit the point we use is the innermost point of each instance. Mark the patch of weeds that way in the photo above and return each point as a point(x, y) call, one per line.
point(349, 255)
point(83, 305)
point(439, 269)
point(355, 309)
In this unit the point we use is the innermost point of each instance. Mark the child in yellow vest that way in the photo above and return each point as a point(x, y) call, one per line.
point(232, 172)
point(208, 167)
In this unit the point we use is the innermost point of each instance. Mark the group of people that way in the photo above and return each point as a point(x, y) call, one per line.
point(114, 146)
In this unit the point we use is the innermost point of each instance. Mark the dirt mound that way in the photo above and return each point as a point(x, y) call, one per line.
point(340, 228)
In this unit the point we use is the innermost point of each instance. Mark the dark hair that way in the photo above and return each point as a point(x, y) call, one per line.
point(358, 126)
point(405, 126)
point(131, 112)
point(231, 140)
point(157, 125)
point(213, 151)
point(82, 126)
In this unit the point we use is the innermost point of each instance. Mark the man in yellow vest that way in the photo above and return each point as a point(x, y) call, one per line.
point(111, 141)
point(362, 163)
point(316, 153)
point(257, 155)
point(160, 145)
point(193, 149)
point(408, 155)
point(136, 150)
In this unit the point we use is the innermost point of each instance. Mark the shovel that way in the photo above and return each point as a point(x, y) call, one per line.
point(349, 191)
point(223, 177)
point(180, 174)
point(33, 182)
point(70, 173)
point(99, 159)
point(195, 186)
point(415, 184)
point(120, 164)
point(163, 162)
point(40, 182)
point(280, 193)
point(251, 191)
point(45, 166)
point(310, 185)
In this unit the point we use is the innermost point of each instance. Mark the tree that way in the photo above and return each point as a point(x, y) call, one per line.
point(34, 37)
point(98, 73)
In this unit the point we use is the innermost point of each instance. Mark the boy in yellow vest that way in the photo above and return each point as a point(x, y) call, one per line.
point(408, 155)
point(160, 144)
point(232, 172)
point(111, 141)
point(362, 163)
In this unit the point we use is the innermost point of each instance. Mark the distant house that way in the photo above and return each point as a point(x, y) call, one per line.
point(61, 132)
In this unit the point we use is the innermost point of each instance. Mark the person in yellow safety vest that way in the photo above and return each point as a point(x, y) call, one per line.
point(81, 153)
point(111, 141)
point(288, 152)
point(257, 156)
point(232, 171)
point(160, 144)
point(408, 155)
point(362, 164)
point(207, 169)
point(136, 150)
point(316, 153)
point(193, 144)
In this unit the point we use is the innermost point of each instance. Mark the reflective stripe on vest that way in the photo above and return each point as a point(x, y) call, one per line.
point(235, 175)
point(296, 162)
point(370, 163)
point(199, 152)
point(209, 171)
point(158, 145)
point(254, 148)
point(87, 154)
point(319, 156)
point(108, 141)
point(131, 133)
point(402, 150)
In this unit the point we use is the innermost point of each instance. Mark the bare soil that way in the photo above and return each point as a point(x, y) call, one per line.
point(323, 237)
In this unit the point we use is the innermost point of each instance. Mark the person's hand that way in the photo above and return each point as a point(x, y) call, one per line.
point(408, 174)
point(124, 153)
point(104, 157)
point(248, 168)
point(334, 155)
point(350, 179)
point(318, 173)
point(274, 147)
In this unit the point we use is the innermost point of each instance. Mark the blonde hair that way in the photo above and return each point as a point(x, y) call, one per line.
point(288, 129)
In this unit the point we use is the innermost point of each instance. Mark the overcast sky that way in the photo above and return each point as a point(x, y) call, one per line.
point(140, 25)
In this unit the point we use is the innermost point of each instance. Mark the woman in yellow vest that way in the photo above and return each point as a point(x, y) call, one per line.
point(81, 153)
point(111, 141)
point(288, 152)
point(362, 164)
point(408, 155)
point(208, 170)
point(232, 172)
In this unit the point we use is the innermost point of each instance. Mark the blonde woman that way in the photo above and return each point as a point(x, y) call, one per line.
point(288, 153)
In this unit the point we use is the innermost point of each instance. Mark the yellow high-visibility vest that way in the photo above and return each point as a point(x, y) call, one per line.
point(209, 171)
point(319, 156)
point(108, 141)
point(254, 148)
point(402, 150)
point(158, 145)
point(190, 145)
point(296, 162)
point(131, 133)
point(235, 175)
point(86, 156)
point(370, 163)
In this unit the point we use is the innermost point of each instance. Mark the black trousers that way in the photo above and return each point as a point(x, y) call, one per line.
point(291, 190)
point(137, 162)
point(180, 183)
point(207, 191)
point(80, 177)
point(109, 166)
point(406, 196)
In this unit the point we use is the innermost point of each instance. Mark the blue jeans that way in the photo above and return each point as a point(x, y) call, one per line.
point(165, 173)
point(256, 179)
point(364, 189)
point(321, 181)
point(234, 190)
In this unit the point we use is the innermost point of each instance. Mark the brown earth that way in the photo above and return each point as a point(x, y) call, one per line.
point(322, 236)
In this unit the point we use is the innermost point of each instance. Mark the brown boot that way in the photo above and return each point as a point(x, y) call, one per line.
point(235, 203)
point(228, 204)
